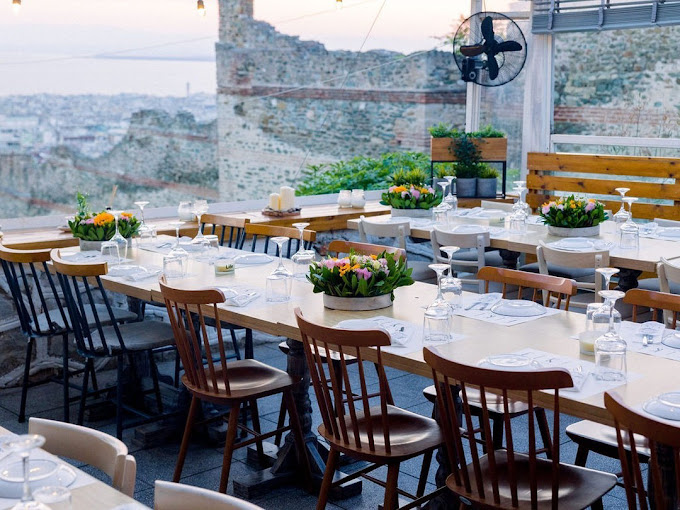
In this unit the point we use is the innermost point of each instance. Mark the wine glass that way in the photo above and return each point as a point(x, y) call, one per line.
point(607, 273)
point(177, 251)
point(610, 348)
point(450, 284)
point(621, 215)
point(279, 241)
point(437, 318)
point(629, 231)
point(23, 445)
point(302, 257)
point(141, 204)
point(119, 239)
point(439, 307)
point(199, 209)
point(279, 286)
point(145, 231)
point(451, 199)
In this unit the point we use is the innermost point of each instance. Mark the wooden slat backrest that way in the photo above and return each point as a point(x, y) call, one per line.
point(339, 401)
point(395, 229)
point(187, 312)
point(655, 301)
point(449, 376)
point(561, 289)
point(340, 246)
point(658, 434)
point(266, 232)
point(550, 172)
point(230, 230)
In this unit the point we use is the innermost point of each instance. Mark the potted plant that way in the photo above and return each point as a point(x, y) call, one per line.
point(409, 195)
point(468, 167)
point(492, 143)
point(94, 228)
point(487, 181)
point(359, 282)
point(573, 217)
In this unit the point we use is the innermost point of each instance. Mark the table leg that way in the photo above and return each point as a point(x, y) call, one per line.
point(628, 279)
point(668, 479)
point(509, 258)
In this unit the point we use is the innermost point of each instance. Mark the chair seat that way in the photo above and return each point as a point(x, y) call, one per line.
point(121, 315)
point(349, 359)
point(410, 434)
point(248, 379)
point(494, 402)
point(579, 487)
point(491, 258)
point(422, 272)
point(601, 439)
point(137, 336)
point(575, 273)
point(653, 284)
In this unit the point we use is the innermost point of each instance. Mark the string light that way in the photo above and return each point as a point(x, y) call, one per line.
point(16, 6)
point(200, 6)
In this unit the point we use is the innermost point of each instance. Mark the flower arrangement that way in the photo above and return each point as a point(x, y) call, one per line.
point(572, 212)
point(101, 226)
point(359, 275)
point(409, 191)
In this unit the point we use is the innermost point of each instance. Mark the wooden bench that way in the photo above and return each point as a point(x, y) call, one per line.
point(599, 175)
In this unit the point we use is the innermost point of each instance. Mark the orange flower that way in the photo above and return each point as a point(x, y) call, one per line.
point(103, 218)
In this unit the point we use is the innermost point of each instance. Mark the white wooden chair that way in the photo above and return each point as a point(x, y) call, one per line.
point(177, 496)
point(100, 450)
point(501, 206)
point(476, 242)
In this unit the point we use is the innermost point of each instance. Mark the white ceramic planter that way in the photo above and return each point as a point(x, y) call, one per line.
point(574, 232)
point(357, 303)
point(96, 245)
point(411, 213)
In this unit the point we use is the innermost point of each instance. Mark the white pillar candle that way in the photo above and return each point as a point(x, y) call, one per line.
point(287, 198)
point(275, 201)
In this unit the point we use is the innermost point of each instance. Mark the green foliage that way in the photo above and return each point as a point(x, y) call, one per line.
point(570, 212)
point(414, 177)
point(411, 197)
point(444, 130)
point(360, 172)
point(488, 131)
point(83, 208)
point(468, 158)
point(360, 275)
point(442, 170)
point(487, 172)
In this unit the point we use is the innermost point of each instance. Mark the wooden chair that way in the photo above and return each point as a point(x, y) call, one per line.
point(266, 232)
point(81, 284)
point(382, 433)
point(229, 230)
point(593, 437)
point(630, 426)
point(176, 496)
point(42, 313)
point(549, 258)
point(208, 376)
point(102, 451)
point(341, 247)
point(505, 478)
point(668, 280)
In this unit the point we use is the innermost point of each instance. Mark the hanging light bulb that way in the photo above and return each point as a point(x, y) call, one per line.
point(16, 6)
point(200, 6)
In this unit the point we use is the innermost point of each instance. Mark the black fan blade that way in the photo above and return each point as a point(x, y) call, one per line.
point(492, 66)
point(487, 30)
point(472, 50)
point(508, 46)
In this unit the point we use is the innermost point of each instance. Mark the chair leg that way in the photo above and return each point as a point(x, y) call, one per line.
point(296, 427)
point(191, 417)
point(544, 429)
point(281, 422)
point(597, 505)
point(249, 350)
point(177, 368)
point(24, 386)
point(119, 399)
point(229, 445)
point(255, 417)
point(65, 375)
point(391, 495)
point(581, 455)
point(89, 367)
point(424, 471)
point(153, 368)
point(234, 343)
point(331, 463)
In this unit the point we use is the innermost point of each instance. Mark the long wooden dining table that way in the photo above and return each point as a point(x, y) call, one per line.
point(553, 334)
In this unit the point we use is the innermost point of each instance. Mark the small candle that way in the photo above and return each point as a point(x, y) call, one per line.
point(275, 201)
point(287, 198)
point(224, 266)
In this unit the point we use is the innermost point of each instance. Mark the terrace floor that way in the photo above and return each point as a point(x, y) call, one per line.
point(204, 460)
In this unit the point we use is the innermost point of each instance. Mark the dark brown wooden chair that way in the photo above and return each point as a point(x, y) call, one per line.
point(630, 425)
point(340, 246)
point(593, 437)
point(546, 289)
point(505, 478)
point(229, 230)
point(258, 231)
point(380, 432)
point(209, 377)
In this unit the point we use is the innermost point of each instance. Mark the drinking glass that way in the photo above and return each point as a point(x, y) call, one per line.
point(184, 211)
point(451, 199)
point(279, 287)
point(174, 266)
point(610, 348)
point(303, 257)
point(141, 204)
point(607, 273)
point(621, 216)
point(199, 209)
point(213, 246)
point(119, 239)
point(437, 319)
point(110, 253)
point(440, 214)
point(23, 445)
point(279, 241)
point(345, 198)
point(56, 497)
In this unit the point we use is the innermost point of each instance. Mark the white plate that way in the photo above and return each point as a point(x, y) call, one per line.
point(669, 232)
point(126, 270)
point(491, 213)
point(63, 476)
point(469, 229)
point(13, 470)
point(518, 308)
point(254, 259)
point(574, 243)
point(672, 340)
point(666, 406)
point(510, 362)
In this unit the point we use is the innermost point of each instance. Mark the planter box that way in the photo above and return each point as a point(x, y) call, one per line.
point(357, 303)
point(492, 149)
point(412, 213)
point(574, 232)
point(97, 245)
point(466, 188)
point(486, 188)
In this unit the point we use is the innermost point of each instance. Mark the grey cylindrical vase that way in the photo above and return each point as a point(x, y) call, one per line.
point(466, 188)
point(486, 188)
point(357, 303)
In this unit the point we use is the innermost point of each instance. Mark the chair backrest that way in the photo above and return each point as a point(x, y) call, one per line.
point(82, 287)
point(340, 246)
point(478, 240)
point(230, 231)
point(177, 496)
point(655, 301)
point(468, 478)
point(590, 259)
point(23, 270)
point(561, 289)
point(668, 272)
point(266, 232)
point(395, 229)
point(658, 434)
point(187, 312)
point(98, 449)
point(342, 409)
point(501, 206)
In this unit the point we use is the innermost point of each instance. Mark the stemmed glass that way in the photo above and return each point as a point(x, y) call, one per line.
point(610, 348)
point(279, 281)
point(450, 284)
point(279, 241)
point(177, 252)
point(23, 446)
point(145, 231)
point(437, 319)
point(451, 200)
point(629, 231)
point(199, 209)
point(119, 239)
point(141, 204)
point(621, 215)
point(607, 273)
point(302, 257)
